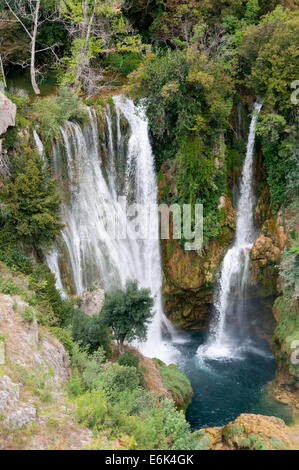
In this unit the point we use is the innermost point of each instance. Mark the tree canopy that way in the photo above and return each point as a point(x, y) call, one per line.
point(128, 312)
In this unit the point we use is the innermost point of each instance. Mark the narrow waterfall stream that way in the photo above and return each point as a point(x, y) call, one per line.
point(229, 303)
point(230, 365)
point(91, 209)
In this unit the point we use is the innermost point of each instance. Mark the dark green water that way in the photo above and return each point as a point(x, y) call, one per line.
point(20, 79)
point(223, 389)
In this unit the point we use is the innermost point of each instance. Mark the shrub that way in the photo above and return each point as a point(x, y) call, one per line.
point(91, 332)
point(116, 378)
point(129, 359)
point(64, 337)
point(31, 202)
point(53, 110)
point(92, 408)
point(124, 63)
point(8, 286)
point(14, 258)
point(28, 314)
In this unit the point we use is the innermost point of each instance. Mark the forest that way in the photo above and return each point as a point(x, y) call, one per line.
point(118, 344)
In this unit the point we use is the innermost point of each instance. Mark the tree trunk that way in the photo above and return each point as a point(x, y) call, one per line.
point(33, 41)
point(121, 344)
point(2, 72)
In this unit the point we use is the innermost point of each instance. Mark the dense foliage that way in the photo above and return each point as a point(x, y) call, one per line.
point(112, 401)
point(196, 64)
point(127, 312)
point(30, 202)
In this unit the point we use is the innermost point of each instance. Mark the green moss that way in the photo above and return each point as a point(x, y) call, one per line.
point(232, 430)
point(169, 249)
point(176, 382)
point(260, 445)
point(234, 159)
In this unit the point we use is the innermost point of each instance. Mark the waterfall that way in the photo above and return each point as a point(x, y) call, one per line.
point(224, 342)
point(88, 184)
point(40, 148)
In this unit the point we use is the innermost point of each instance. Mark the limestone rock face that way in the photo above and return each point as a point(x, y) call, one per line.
point(93, 301)
point(249, 432)
point(266, 255)
point(165, 381)
point(7, 114)
point(29, 345)
point(33, 377)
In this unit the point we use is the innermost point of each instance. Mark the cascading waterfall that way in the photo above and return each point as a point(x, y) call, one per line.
point(92, 253)
point(229, 305)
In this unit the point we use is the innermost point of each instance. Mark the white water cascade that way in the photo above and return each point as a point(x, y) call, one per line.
point(88, 183)
point(223, 342)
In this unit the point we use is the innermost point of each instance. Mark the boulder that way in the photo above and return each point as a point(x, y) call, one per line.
point(93, 300)
point(7, 114)
point(248, 432)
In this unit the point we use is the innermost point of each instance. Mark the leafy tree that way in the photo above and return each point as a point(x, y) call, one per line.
point(280, 149)
point(127, 312)
point(188, 97)
point(30, 202)
point(269, 57)
point(91, 332)
point(95, 28)
point(30, 15)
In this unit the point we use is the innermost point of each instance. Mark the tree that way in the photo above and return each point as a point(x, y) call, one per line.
point(95, 27)
point(31, 14)
point(2, 74)
point(30, 202)
point(127, 312)
point(91, 332)
point(268, 57)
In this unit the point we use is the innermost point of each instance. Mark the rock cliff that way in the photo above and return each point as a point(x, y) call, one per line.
point(34, 370)
point(7, 115)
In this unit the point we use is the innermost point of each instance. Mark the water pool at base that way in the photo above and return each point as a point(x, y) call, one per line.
point(222, 390)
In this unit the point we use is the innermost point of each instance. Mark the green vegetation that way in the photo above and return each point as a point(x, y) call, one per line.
point(52, 111)
point(198, 65)
point(91, 332)
point(129, 359)
point(176, 382)
point(30, 203)
point(112, 402)
point(127, 312)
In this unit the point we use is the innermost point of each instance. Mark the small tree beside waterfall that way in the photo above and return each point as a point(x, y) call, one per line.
point(127, 312)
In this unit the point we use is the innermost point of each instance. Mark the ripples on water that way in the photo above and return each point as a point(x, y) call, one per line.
point(223, 389)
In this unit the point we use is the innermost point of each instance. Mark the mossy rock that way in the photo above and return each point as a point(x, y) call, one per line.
point(176, 383)
point(256, 432)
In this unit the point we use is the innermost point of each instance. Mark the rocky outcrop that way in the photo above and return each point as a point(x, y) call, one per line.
point(189, 276)
point(176, 383)
point(34, 372)
point(267, 250)
point(268, 263)
point(7, 115)
point(249, 432)
point(92, 300)
point(165, 381)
